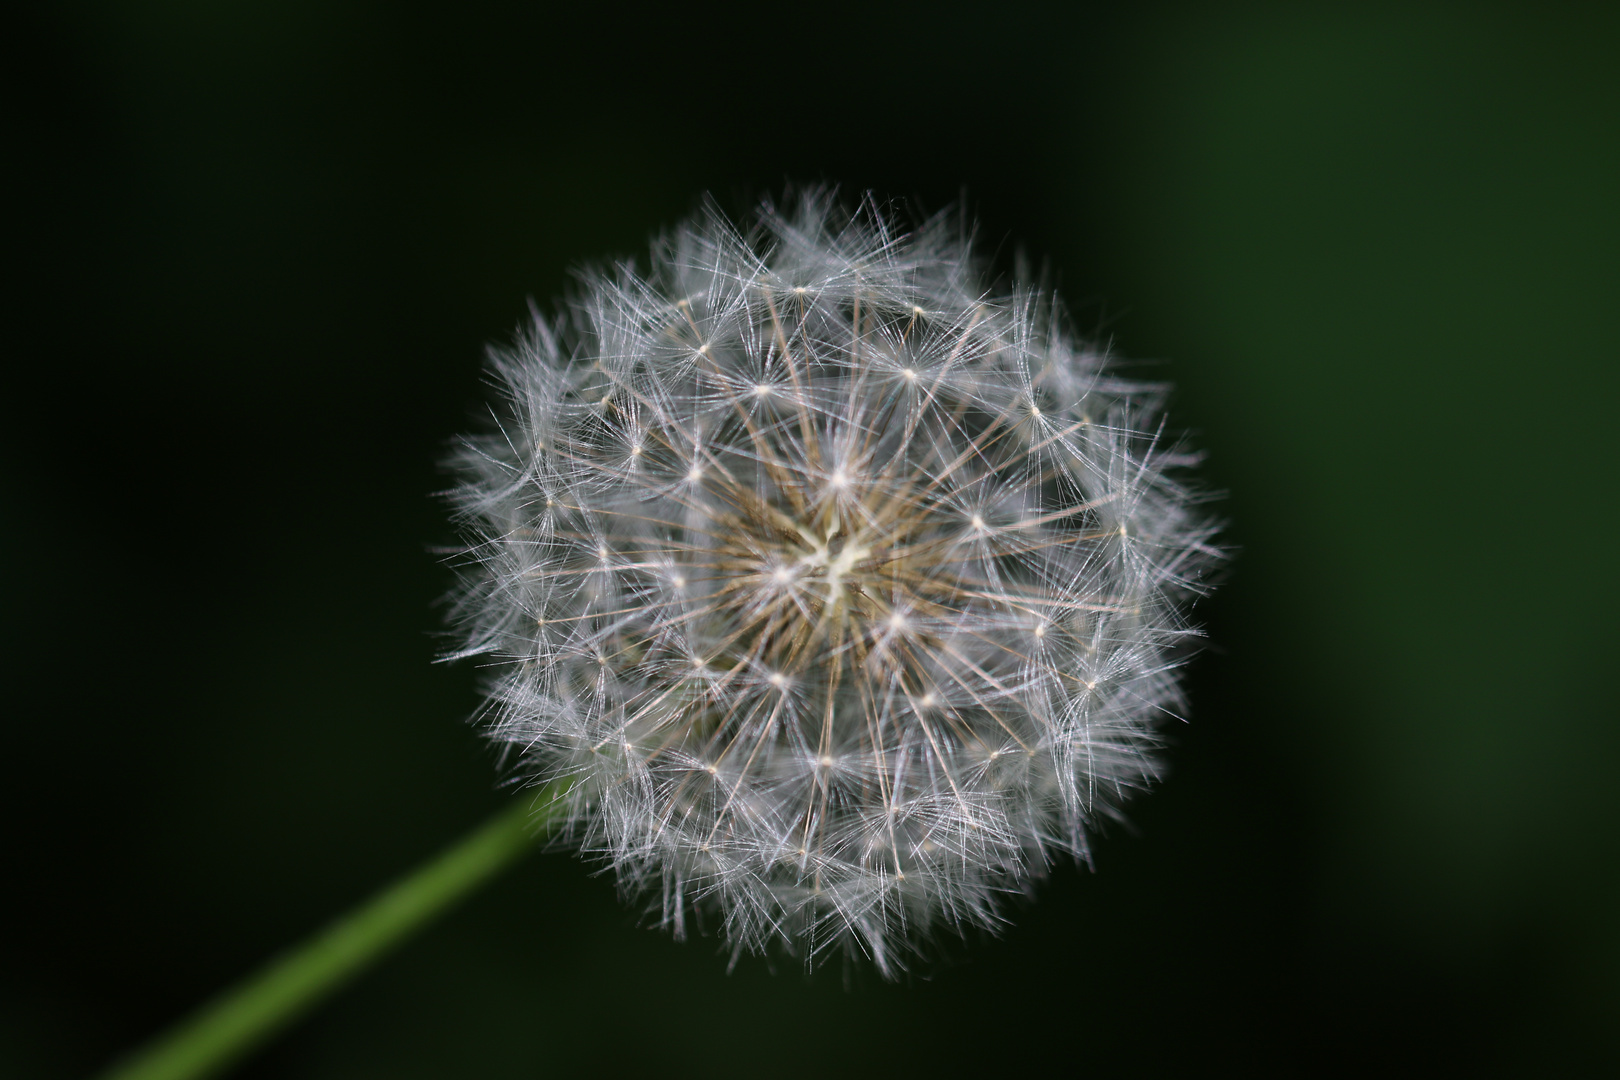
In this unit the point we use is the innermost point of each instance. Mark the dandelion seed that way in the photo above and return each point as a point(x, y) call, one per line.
point(855, 725)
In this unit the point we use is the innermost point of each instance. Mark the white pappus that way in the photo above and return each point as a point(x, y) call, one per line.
point(844, 591)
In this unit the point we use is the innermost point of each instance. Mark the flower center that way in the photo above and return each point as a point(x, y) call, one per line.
point(833, 561)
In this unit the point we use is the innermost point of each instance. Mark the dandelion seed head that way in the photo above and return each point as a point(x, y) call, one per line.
point(850, 721)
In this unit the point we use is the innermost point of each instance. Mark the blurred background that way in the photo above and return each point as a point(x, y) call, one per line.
point(259, 248)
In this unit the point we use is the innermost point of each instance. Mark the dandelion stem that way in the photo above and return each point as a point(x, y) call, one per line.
point(237, 1021)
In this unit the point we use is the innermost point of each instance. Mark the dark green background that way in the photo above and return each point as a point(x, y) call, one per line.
point(260, 252)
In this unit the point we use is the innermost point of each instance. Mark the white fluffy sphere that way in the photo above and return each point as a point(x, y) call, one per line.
point(844, 591)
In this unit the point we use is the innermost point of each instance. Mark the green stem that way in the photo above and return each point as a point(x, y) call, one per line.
point(248, 1014)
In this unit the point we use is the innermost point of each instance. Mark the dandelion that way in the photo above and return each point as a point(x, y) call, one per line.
point(823, 589)
point(842, 593)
